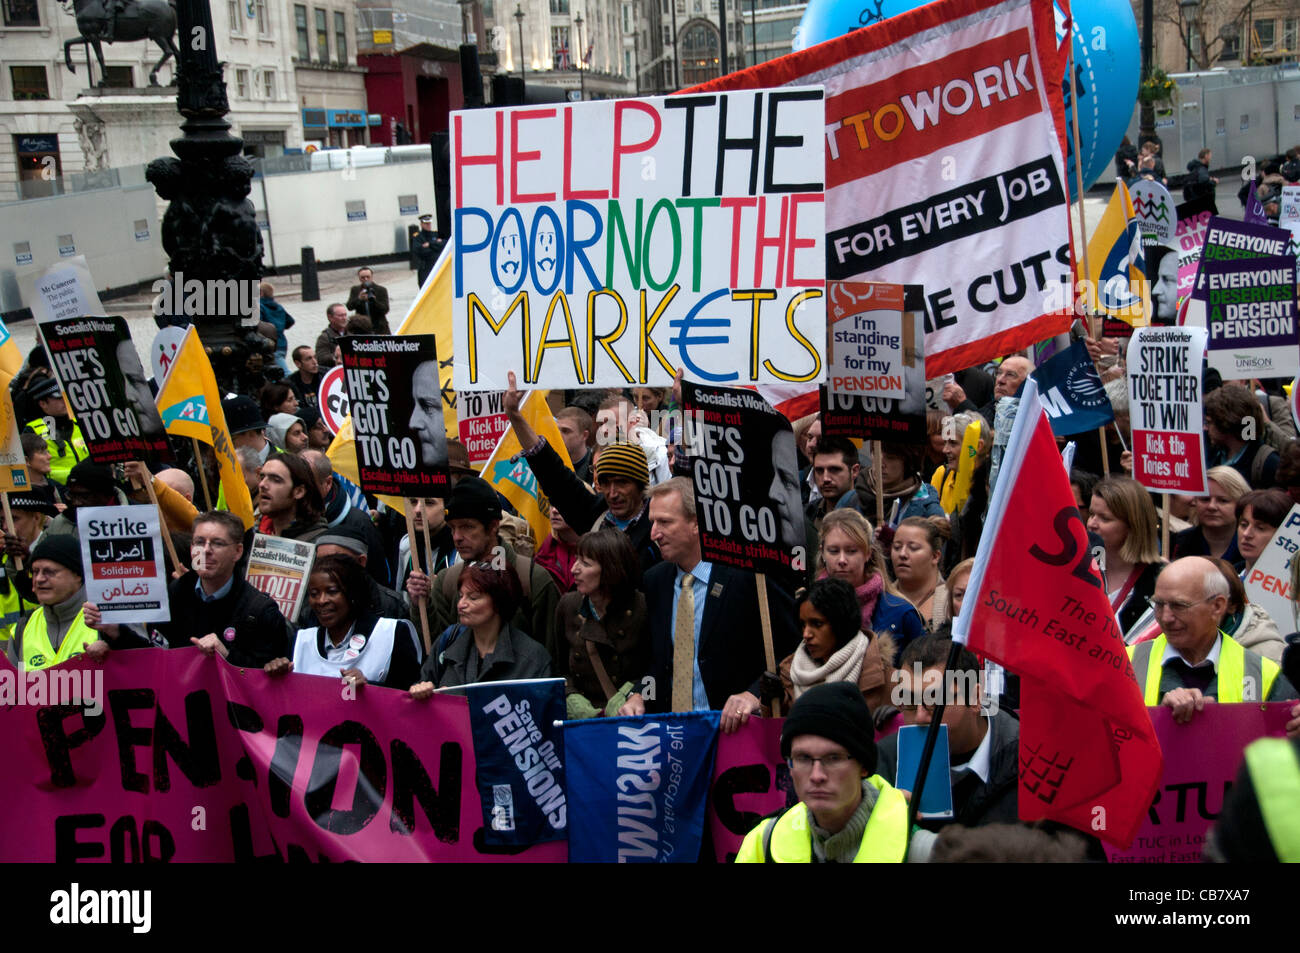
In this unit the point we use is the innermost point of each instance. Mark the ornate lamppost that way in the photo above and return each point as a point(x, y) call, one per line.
point(209, 230)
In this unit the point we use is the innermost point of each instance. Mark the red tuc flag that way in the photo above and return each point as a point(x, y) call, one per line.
point(1036, 605)
point(945, 166)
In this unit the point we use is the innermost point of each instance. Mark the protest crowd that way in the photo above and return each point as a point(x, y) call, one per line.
point(689, 549)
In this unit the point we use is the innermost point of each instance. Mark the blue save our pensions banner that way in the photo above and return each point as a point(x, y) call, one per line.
point(639, 787)
point(519, 759)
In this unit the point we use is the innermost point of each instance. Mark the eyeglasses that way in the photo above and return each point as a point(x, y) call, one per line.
point(200, 543)
point(829, 762)
point(1177, 608)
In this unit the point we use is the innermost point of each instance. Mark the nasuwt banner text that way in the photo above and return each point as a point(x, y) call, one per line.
point(606, 244)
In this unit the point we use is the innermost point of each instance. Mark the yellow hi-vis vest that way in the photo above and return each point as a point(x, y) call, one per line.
point(1275, 774)
point(63, 455)
point(37, 651)
point(1242, 675)
point(788, 839)
point(12, 608)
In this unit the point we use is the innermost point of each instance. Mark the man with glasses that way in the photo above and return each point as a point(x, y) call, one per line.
point(212, 607)
point(1192, 661)
point(846, 812)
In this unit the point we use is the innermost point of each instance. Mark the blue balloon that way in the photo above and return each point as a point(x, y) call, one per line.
point(1107, 63)
point(826, 19)
point(1107, 67)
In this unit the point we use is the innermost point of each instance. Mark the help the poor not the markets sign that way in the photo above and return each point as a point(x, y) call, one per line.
point(613, 242)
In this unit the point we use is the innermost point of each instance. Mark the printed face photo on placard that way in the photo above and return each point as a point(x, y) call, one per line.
point(746, 475)
point(395, 399)
point(108, 394)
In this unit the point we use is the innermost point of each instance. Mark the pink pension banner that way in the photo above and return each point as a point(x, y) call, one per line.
point(194, 760)
point(1202, 758)
point(750, 781)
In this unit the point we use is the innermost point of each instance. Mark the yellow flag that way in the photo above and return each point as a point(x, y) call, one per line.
point(190, 405)
point(431, 314)
point(11, 359)
point(1116, 263)
point(515, 481)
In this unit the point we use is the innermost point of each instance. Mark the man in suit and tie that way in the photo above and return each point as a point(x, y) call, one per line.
point(705, 632)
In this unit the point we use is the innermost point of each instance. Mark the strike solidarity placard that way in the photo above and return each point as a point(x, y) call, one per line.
point(1164, 386)
point(945, 167)
point(685, 232)
point(101, 375)
point(1251, 319)
point(746, 475)
point(876, 351)
point(396, 407)
point(122, 551)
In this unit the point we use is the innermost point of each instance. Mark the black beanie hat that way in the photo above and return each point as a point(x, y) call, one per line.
point(472, 498)
point(94, 477)
point(63, 549)
point(838, 712)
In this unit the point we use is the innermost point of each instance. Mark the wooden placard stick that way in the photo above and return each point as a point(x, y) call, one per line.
point(422, 604)
point(878, 477)
point(203, 473)
point(9, 528)
point(765, 618)
point(162, 525)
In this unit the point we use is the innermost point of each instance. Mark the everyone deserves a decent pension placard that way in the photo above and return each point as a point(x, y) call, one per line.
point(609, 243)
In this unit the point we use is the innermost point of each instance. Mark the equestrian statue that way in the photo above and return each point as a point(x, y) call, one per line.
point(109, 21)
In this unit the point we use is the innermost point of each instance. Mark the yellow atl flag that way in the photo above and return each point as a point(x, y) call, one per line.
point(13, 462)
point(515, 481)
point(430, 314)
point(1116, 264)
point(190, 405)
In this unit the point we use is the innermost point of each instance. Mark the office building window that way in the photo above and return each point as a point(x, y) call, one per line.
point(263, 18)
point(21, 13)
point(241, 83)
point(561, 54)
point(341, 36)
point(559, 6)
point(235, 10)
point(119, 77)
point(1266, 33)
point(700, 54)
point(1289, 34)
point(268, 83)
point(322, 37)
point(29, 82)
point(300, 23)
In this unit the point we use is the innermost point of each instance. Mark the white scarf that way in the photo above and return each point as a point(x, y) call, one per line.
point(843, 666)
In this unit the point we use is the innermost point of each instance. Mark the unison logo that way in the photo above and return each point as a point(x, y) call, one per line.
point(101, 907)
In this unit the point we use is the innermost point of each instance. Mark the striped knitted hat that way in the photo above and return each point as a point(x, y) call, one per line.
point(626, 460)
